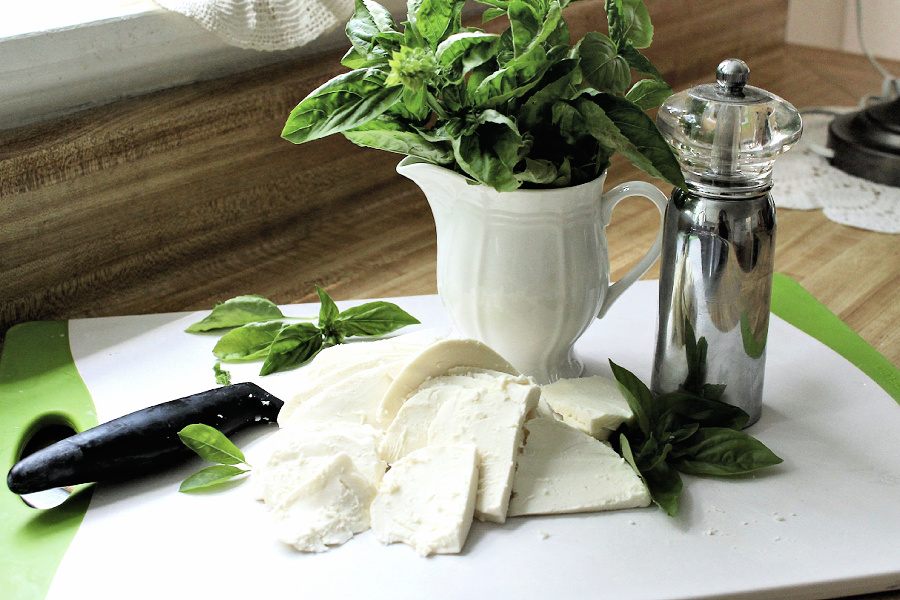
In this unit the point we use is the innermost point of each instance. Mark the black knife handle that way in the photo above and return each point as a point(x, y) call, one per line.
point(142, 441)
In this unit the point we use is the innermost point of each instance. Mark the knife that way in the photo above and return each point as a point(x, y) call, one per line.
point(141, 442)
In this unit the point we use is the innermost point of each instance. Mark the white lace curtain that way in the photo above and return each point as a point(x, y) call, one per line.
point(265, 24)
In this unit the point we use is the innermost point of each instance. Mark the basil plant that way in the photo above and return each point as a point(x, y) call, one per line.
point(524, 108)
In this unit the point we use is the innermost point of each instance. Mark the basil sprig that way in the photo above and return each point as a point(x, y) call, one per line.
point(212, 445)
point(680, 432)
point(259, 330)
point(524, 108)
point(223, 377)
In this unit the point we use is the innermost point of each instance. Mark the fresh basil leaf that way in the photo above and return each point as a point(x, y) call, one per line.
point(602, 67)
point(569, 122)
point(708, 412)
point(368, 20)
point(415, 99)
point(558, 83)
point(354, 59)
point(462, 52)
point(681, 435)
point(665, 485)
point(211, 444)
point(671, 438)
point(436, 19)
point(639, 62)
point(629, 22)
point(525, 25)
point(328, 314)
point(293, 346)
point(622, 125)
point(390, 40)
point(713, 391)
point(490, 153)
point(246, 343)
point(391, 134)
point(662, 481)
point(552, 22)
point(373, 318)
point(345, 102)
point(518, 76)
point(541, 172)
point(515, 79)
point(647, 94)
point(723, 451)
point(626, 452)
point(211, 476)
point(563, 174)
point(492, 13)
point(639, 397)
point(223, 377)
point(328, 310)
point(236, 312)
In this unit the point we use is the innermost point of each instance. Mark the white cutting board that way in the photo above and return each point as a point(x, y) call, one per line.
point(825, 523)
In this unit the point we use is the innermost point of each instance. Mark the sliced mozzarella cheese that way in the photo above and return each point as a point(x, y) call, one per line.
point(409, 429)
point(593, 405)
point(355, 398)
point(325, 507)
point(433, 361)
point(318, 482)
point(332, 365)
point(563, 470)
point(427, 500)
point(290, 447)
point(487, 411)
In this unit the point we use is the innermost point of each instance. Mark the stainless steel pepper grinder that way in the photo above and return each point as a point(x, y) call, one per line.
point(719, 238)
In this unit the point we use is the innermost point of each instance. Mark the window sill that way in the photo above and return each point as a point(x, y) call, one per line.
point(61, 71)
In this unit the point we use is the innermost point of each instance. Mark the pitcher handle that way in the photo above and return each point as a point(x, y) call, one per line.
point(610, 199)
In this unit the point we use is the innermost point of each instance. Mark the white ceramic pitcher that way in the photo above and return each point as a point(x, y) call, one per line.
point(526, 272)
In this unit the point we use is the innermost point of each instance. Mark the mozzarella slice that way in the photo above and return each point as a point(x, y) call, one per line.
point(318, 482)
point(488, 411)
point(427, 500)
point(563, 470)
point(433, 361)
point(325, 507)
point(593, 405)
point(355, 398)
point(335, 364)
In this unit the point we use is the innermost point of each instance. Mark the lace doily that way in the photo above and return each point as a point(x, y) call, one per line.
point(805, 180)
point(265, 24)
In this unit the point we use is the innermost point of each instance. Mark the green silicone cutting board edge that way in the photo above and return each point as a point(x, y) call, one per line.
point(39, 385)
point(794, 304)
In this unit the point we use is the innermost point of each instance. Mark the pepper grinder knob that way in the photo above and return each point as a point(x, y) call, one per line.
point(732, 75)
